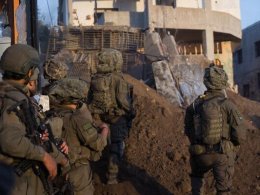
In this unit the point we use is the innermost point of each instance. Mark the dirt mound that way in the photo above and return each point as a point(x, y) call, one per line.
point(156, 158)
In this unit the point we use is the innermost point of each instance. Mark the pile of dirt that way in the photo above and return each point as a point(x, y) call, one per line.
point(157, 160)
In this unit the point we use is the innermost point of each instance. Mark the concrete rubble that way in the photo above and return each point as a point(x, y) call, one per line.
point(178, 78)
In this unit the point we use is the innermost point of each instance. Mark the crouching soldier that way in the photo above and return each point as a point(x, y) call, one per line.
point(214, 128)
point(85, 143)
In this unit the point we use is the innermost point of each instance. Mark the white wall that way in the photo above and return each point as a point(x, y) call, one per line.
point(85, 8)
point(190, 3)
point(229, 6)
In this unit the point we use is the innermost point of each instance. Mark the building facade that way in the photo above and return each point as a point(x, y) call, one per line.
point(200, 27)
point(247, 63)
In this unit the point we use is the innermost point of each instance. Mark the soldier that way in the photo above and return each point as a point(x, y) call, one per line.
point(84, 141)
point(53, 71)
point(111, 99)
point(214, 128)
point(18, 139)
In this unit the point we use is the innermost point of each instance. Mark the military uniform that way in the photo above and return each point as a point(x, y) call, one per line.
point(214, 148)
point(56, 128)
point(14, 144)
point(85, 144)
point(111, 100)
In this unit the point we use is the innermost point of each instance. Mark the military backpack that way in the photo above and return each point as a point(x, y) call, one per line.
point(208, 121)
point(110, 94)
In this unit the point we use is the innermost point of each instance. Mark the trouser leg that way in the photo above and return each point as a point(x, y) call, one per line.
point(223, 173)
point(115, 156)
point(80, 177)
point(197, 185)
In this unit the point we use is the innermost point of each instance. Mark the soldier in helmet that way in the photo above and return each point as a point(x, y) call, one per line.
point(85, 144)
point(18, 141)
point(53, 71)
point(111, 99)
point(214, 127)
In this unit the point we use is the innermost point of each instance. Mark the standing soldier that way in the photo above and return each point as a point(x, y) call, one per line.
point(84, 142)
point(111, 99)
point(19, 143)
point(214, 128)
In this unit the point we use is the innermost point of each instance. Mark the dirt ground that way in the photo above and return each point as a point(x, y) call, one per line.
point(156, 160)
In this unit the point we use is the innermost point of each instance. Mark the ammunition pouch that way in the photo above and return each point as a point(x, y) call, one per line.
point(198, 149)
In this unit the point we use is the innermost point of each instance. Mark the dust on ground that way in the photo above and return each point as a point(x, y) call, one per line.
point(156, 159)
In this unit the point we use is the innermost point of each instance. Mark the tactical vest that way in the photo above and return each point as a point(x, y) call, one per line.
point(4, 89)
point(208, 121)
point(105, 94)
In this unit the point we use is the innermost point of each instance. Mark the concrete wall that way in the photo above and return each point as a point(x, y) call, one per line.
point(226, 58)
point(246, 72)
point(133, 19)
point(85, 8)
point(188, 18)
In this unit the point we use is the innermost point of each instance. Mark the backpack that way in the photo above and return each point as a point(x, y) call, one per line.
point(208, 121)
point(110, 94)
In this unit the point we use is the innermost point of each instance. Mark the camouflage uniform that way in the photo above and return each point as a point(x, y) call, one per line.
point(219, 157)
point(15, 146)
point(110, 98)
point(85, 144)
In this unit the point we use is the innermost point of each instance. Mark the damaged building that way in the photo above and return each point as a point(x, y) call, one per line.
point(200, 27)
point(247, 61)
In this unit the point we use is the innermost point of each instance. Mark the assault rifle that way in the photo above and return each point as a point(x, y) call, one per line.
point(25, 112)
point(56, 141)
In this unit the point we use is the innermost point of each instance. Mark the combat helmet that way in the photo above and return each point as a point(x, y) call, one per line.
point(215, 78)
point(68, 90)
point(55, 70)
point(18, 59)
point(109, 60)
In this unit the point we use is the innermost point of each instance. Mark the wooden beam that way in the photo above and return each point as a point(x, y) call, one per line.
point(12, 6)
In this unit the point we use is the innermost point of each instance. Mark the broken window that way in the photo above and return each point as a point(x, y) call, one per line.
point(257, 49)
point(239, 55)
point(166, 2)
point(246, 89)
point(217, 48)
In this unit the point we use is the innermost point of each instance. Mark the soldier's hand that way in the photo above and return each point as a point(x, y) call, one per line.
point(45, 136)
point(104, 129)
point(64, 148)
point(50, 165)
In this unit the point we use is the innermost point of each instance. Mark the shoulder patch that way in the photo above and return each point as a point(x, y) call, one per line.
point(87, 126)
